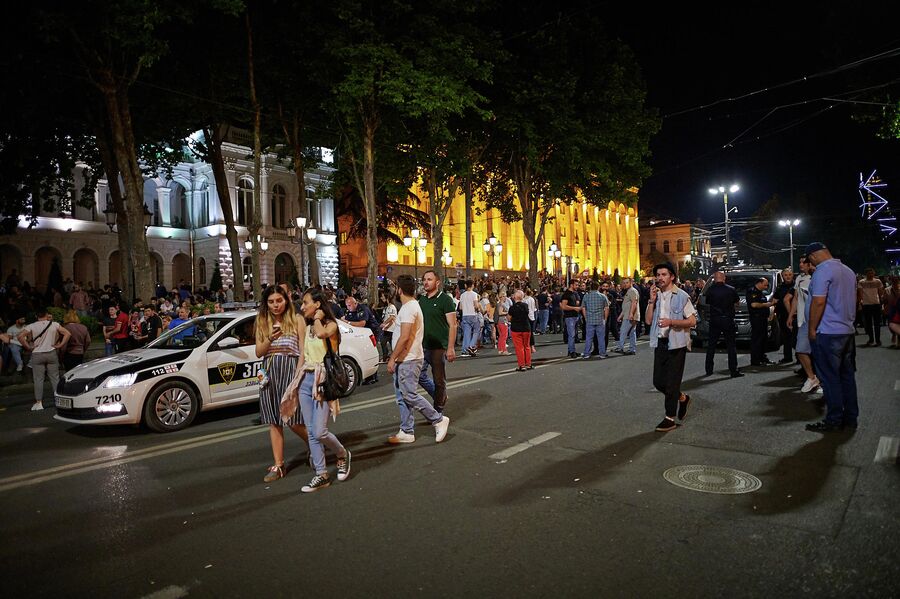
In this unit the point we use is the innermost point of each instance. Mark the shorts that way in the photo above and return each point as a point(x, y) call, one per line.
point(803, 340)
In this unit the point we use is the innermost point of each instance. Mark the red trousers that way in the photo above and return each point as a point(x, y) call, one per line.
point(502, 330)
point(522, 342)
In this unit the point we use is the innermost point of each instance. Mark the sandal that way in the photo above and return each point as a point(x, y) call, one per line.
point(275, 472)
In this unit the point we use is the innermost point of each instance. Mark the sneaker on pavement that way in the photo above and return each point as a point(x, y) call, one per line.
point(19, 368)
point(37, 406)
point(401, 437)
point(343, 467)
point(319, 481)
point(809, 385)
point(440, 429)
point(819, 390)
point(667, 424)
point(683, 406)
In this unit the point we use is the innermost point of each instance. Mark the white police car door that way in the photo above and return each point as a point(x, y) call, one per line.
point(231, 364)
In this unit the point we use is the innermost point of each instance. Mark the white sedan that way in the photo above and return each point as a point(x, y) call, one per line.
point(206, 363)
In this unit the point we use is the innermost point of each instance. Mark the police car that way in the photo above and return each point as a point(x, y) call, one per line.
point(205, 363)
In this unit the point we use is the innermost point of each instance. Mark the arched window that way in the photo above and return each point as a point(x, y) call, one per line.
point(201, 201)
point(279, 205)
point(679, 245)
point(652, 246)
point(666, 246)
point(201, 271)
point(245, 202)
point(248, 269)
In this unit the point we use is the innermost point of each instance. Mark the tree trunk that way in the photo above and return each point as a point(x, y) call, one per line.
point(295, 141)
point(115, 195)
point(256, 223)
point(213, 136)
point(123, 149)
point(371, 214)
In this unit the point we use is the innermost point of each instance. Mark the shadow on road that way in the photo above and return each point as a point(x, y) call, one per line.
point(590, 468)
point(792, 406)
point(797, 479)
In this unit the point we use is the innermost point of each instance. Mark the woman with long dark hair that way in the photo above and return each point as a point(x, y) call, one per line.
point(321, 329)
point(279, 341)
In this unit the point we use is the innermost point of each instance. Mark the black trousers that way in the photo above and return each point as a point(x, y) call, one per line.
point(725, 327)
point(668, 369)
point(758, 332)
point(872, 321)
point(787, 339)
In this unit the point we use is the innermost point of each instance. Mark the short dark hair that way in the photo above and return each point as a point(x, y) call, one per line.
point(762, 280)
point(595, 285)
point(668, 266)
point(40, 311)
point(407, 285)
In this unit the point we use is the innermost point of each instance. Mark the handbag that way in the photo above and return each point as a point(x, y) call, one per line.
point(336, 380)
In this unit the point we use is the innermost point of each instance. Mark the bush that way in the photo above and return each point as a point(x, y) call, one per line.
point(93, 326)
point(57, 313)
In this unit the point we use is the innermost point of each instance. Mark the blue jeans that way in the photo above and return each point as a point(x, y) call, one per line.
point(835, 360)
point(571, 323)
point(628, 330)
point(406, 383)
point(315, 417)
point(470, 326)
point(593, 331)
point(16, 351)
point(542, 318)
point(109, 349)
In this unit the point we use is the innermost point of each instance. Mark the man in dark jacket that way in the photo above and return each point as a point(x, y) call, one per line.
point(722, 300)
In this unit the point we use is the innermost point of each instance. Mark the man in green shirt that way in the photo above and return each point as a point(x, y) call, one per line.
point(439, 311)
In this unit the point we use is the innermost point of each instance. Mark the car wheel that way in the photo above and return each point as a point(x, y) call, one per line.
point(354, 375)
point(171, 407)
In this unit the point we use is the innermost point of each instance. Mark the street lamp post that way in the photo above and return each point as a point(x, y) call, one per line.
point(299, 233)
point(790, 224)
point(415, 242)
point(555, 254)
point(492, 248)
point(716, 191)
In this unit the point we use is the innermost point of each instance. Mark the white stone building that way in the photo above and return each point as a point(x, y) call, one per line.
point(187, 231)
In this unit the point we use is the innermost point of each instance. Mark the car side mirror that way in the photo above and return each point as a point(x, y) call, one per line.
point(228, 342)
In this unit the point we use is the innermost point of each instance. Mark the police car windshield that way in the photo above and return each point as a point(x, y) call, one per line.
point(190, 334)
point(743, 282)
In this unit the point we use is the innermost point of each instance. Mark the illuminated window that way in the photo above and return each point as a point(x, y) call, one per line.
point(679, 245)
point(245, 202)
point(279, 205)
point(576, 211)
point(652, 246)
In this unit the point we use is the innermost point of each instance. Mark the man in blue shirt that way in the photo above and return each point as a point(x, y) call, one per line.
point(595, 307)
point(832, 310)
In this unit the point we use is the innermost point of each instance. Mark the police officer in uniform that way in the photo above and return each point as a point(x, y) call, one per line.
point(722, 299)
point(758, 307)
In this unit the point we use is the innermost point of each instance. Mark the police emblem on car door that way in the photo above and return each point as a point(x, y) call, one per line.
point(232, 364)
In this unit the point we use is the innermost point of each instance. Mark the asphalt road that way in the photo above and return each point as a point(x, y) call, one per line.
point(581, 510)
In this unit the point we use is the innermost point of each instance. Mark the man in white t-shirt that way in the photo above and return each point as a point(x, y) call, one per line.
point(44, 338)
point(471, 322)
point(406, 363)
point(799, 317)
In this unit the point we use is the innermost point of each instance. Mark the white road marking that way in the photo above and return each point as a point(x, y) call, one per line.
point(888, 451)
point(507, 453)
point(171, 592)
point(897, 385)
point(66, 470)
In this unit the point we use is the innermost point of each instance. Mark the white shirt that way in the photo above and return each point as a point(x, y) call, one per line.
point(411, 313)
point(664, 299)
point(532, 306)
point(47, 340)
point(801, 284)
point(468, 301)
point(13, 332)
point(391, 310)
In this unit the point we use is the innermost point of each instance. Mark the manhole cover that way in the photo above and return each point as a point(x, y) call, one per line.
point(712, 479)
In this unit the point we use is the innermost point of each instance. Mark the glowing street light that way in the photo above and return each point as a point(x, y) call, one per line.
point(790, 224)
point(716, 191)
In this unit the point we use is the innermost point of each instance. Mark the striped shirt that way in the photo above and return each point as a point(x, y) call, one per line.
point(286, 345)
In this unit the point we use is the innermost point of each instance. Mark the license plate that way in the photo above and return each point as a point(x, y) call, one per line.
point(64, 402)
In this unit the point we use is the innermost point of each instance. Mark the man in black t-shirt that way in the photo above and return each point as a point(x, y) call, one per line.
point(543, 311)
point(784, 293)
point(758, 307)
point(722, 300)
point(151, 327)
point(570, 304)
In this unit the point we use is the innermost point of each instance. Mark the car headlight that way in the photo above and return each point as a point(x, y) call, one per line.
point(120, 380)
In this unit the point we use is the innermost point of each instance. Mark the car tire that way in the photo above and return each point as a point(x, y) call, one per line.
point(171, 407)
point(354, 375)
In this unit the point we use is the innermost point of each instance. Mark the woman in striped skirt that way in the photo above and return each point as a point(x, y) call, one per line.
point(279, 341)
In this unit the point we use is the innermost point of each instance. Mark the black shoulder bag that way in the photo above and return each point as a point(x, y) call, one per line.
point(336, 380)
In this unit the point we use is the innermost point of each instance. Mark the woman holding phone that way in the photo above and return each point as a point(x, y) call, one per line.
point(279, 341)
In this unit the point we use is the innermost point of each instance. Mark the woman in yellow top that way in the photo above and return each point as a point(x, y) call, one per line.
point(279, 341)
point(321, 328)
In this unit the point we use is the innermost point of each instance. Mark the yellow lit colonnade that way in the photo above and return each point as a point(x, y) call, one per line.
point(602, 238)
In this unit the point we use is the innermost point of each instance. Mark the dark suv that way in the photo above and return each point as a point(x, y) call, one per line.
point(741, 279)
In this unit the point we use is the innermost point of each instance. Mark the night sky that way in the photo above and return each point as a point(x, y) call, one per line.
point(694, 55)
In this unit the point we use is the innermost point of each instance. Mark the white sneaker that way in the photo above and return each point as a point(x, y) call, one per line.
point(820, 391)
point(809, 385)
point(401, 437)
point(440, 429)
point(37, 406)
point(19, 368)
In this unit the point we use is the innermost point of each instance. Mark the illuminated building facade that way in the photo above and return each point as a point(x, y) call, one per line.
point(588, 238)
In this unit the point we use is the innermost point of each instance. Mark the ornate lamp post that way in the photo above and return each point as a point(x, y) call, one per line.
point(415, 242)
point(299, 233)
point(492, 247)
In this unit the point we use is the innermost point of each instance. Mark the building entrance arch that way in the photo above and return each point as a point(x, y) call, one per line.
point(86, 267)
point(285, 268)
point(181, 269)
point(47, 265)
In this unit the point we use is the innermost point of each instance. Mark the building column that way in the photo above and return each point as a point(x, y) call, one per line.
point(165, 217)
